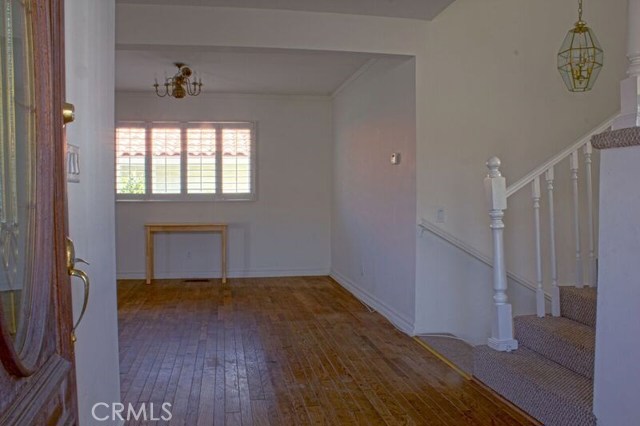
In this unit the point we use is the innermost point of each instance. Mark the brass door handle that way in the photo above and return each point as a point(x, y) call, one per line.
point(87, 286)
point(73, 272)
point(80, 260)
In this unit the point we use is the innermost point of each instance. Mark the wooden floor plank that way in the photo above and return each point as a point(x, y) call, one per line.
point(284, 351)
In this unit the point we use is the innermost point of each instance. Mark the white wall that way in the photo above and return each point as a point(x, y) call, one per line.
point(144, 25)
point(286, 231)
point(494, 90)
point(617, 376)
point(89, 37)
point(374, 202)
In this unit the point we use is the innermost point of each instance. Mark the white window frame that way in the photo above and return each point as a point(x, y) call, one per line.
point(184, 195)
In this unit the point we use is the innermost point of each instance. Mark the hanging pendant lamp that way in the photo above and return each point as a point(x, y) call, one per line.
point(580, 58)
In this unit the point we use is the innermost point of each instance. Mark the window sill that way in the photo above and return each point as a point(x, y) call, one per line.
point(178, 199)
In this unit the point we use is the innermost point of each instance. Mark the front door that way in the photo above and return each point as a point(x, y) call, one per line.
point(37, 378)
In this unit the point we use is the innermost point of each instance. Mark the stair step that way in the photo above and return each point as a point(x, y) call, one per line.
point(564, 341)
point(579, 304)
point(547, 391)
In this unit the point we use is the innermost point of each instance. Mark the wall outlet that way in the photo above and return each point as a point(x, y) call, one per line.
point(441, 215)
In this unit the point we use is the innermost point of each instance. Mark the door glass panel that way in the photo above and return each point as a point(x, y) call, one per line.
point(17, 157)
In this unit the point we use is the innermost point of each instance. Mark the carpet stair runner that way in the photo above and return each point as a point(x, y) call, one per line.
point(550, 376)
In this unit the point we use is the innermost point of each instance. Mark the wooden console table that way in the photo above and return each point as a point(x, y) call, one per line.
point(152, 228)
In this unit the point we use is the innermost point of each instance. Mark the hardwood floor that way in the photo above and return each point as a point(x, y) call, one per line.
point(284, 351)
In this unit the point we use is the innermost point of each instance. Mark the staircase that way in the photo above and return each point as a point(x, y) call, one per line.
point(550, 375)
point(544, 363)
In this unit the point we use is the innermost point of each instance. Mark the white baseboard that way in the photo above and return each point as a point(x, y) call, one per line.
point(399, 321)
point(251, 273)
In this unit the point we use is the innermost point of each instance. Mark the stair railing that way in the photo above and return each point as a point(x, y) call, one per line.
point(498, 193)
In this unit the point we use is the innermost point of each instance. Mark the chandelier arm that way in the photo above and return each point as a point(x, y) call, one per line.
point(193, 88)
point(158, 91)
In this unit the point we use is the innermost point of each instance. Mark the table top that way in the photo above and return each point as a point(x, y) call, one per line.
point(185, 226)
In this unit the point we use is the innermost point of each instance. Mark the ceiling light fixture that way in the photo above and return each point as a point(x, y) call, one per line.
point(180, 85)
point(580, 58)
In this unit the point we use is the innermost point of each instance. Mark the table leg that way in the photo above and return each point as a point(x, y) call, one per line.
point(149, 256)
point(224, 255)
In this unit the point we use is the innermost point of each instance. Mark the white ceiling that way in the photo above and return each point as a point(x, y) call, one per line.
point(415, 9)
point(280, 72)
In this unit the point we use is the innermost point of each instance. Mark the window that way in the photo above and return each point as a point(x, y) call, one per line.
point(185, 161)
point(130, 160)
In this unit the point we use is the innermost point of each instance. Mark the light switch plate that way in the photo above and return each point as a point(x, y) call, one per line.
point(73, 163)
point(395, 158)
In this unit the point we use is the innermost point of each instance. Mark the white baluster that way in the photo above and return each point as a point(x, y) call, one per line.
point(535, 194)
point(555, 291)
point(502, 327)
point(573, 160)
point(592, 276)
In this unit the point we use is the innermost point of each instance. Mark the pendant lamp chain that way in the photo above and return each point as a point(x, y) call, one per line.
point(579, 10)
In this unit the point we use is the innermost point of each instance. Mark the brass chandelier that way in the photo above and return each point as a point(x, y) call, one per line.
point(581, 57)
point(179, 85)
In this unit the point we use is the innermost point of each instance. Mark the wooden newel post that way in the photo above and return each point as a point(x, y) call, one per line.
point(502, 327)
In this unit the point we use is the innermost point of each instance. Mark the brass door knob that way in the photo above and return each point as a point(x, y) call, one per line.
point(68, 113)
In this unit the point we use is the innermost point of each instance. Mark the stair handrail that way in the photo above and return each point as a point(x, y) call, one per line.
point(502, 337)
point(540, 170)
